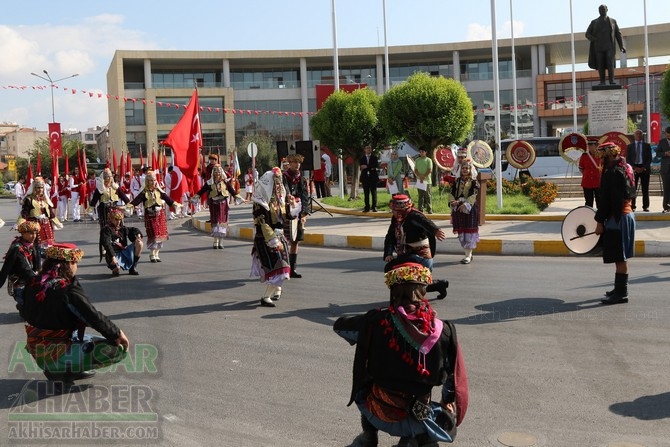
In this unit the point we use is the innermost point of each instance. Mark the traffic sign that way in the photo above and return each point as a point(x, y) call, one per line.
point(252, 150)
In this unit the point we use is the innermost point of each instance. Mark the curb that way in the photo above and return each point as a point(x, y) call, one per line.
point(500, 247)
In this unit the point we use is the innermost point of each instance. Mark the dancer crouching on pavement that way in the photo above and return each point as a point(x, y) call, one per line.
point(122, 245)
point(296, 189)
point(411, 234)
point(464, 209)
point(402, 353)
point(55, 306)
point(22, 261)
point(269, 256)
point(218, 190)
point(615, 217)
point(153, 200)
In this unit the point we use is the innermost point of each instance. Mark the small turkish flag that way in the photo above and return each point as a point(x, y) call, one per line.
point(55, 142)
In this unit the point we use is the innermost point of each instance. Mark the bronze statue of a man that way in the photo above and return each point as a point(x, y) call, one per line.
point(604, 34)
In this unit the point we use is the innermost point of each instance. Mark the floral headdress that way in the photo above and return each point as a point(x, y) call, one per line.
point(28, 226)
point(408, 272)
point(65, 252)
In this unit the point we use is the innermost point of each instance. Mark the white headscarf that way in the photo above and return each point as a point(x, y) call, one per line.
point(265, 186)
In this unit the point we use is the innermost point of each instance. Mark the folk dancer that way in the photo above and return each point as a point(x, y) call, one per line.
point(63, 197)
point(154, 199)
point(464, 209)
point(91, 185)
point(218, 192)
point(136, 184)
point(615, 218)
point(402, 353)
point(106, 196)
point(269, 255)
point(411, 234)
point(37, 207)
point(55, 308)
point(75, 188)
point(122, 245)
point(296, 190)
point(22, 261)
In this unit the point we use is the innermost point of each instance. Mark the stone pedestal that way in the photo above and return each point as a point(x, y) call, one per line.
point(608, 109)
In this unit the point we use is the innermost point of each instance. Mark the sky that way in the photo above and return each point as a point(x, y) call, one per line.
point(80, 37)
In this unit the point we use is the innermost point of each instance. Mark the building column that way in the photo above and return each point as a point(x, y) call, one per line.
point(304, 103)
point(147, 74)
point(379, 68)
point(456, 56)
point(226, 73)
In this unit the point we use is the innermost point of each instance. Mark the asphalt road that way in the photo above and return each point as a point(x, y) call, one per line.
point(547, 364)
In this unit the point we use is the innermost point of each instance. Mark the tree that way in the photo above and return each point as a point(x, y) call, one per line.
point(664, 93)
point(427, 112)
point(346, 123)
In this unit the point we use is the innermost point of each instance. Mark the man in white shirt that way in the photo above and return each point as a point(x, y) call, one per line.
point(19, 192)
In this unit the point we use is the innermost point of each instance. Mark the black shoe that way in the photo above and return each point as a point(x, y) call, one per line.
point(68, 376)
point(214, 247)
point(158, 259)
point(366, 439)
point(295, 274)
point(153, 259)
point(366, 210)
point(646, 210)
point(406, 441)
point(374, 210)
point(614, 299)
point(133, 272)
point(220, 247)
point(267, 303)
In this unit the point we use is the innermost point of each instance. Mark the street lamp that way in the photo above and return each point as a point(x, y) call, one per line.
point(52, 82)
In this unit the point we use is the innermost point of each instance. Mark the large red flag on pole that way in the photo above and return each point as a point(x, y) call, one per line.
point(83, 173)
point(185, 139)
point(29, 175)
point(55, 142)
point(141, 158)
point(655, 136)
point(129, 163)
point(154, 160)
point(115, 165)
point(67, 165)
point(122, 167)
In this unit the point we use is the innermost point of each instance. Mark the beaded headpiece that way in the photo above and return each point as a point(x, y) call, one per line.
point(408, 272)
point(608, 149)
point(65, 252)
point(400, 202)
point(29, 226)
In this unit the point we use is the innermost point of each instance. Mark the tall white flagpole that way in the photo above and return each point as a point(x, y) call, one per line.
point(516, 102)
point(386, 55)
point(646, 73)
point(574, 75)
point(336, 81)
point(496, 103)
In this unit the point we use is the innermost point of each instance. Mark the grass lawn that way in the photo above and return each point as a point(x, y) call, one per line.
point(512, 204)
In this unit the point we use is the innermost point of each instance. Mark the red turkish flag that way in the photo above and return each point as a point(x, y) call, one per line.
point(115, 165)
point(655, 136)
point(55, 142)
point(185, 139)
point(129, 164)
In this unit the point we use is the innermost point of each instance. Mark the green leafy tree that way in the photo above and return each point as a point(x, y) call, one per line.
point(664, 93)
point(346, 123)
point(427, 112)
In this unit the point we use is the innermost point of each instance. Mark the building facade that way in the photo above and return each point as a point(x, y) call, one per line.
point(274, 92)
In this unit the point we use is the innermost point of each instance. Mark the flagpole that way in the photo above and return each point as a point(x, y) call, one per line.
point(336, 80)
point(574, 75)
point(496, 100)
point(386, 55)
point(646, 72)
point(516, 102)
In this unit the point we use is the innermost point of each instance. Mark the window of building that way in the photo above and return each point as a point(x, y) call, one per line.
point(211, 109)
point(134, 113)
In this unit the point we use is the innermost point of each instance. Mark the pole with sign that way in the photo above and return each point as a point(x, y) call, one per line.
point(252, 150)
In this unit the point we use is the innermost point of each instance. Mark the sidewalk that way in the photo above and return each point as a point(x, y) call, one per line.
point(520, 235)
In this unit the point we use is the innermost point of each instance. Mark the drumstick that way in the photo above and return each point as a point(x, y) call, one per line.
point(582, 235)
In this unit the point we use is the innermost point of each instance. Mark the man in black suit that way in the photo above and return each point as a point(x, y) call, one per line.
point(663, 152)
point(604, 34)
point(369, 177)
point(638, 155)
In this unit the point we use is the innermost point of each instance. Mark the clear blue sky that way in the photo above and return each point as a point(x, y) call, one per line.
point(81, 36)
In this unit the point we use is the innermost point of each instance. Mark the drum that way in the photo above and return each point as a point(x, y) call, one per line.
point(578, 230)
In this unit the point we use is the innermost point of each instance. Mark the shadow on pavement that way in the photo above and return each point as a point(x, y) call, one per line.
point(645, 408)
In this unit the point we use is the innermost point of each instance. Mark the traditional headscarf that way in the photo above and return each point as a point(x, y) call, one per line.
point(39, 181)
point(217, 168)
point(100, 181)
point(267, 185)
point(28, 226)
point(613, 152)
point(151, 174)
point(65, 252)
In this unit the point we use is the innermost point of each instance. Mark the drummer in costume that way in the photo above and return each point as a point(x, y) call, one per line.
point(402, 353)
point(218, 190)
point(106, 195)
point(411, 234)
point(270, 252)
point(37, 207)
point(464, 209)
point(615, 218)
point(296, 190)
point(22, 261)
point(121, 245)
point(153, 199)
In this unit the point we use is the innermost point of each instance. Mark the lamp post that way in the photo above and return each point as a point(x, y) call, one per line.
point(52, 82)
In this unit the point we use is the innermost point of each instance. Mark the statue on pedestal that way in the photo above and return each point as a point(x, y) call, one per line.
point(604, 34)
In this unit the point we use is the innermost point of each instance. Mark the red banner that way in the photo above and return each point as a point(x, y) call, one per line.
point(655, 136)
point(55, 142)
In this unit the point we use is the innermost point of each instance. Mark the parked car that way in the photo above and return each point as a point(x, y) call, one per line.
point(9, 186)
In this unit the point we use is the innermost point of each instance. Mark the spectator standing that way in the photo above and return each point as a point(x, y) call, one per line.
point(663, 152)
point(369, 177)
point(638, 155)
point(590, 165)
point(395, 168)
point(423, 171)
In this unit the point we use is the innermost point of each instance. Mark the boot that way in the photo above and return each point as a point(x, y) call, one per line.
point(133, 269)
point(620, 292)
point(292, 258)
point(468, 256)
point(156, 257)
point(369, 437)
point(152, 256)
point(265, 299)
